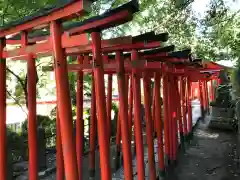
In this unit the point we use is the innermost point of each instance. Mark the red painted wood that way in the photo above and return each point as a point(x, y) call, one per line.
point(201, 96)
point(93, 130)
point(80, 120)
point(183, 104)
point(158, 120)
point(130, 112)
point(189, 105)
point(74, 45)
point(109, 99)
point(137, 119)
point(106, 22)
point(212, 90)
point(179, 111)
point(3, 135)
point(118, 134)
point(149, 126)
point(64, 104)
point(59, 156)
point(126, 145)
point(104, 147)
point(32, 119)
point(170, 118)
point(73, 9)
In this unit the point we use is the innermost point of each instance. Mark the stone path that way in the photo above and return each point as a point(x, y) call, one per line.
point(211, 156)
point(119, 175)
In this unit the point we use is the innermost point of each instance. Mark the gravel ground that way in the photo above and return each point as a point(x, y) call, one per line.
point(211, 155)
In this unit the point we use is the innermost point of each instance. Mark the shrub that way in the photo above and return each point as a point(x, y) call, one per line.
point(15, 143)
point(49, 126)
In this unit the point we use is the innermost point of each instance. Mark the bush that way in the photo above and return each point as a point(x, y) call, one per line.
point(49, 126)
point(15, 143)
point(115, 109)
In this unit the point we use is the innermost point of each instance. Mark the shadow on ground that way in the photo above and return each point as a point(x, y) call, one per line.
point(210, 156)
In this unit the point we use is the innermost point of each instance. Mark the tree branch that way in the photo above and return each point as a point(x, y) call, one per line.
point(17, 102)
point(16, 76)
point(184, 5)
point(23, 84)
point(225, 20)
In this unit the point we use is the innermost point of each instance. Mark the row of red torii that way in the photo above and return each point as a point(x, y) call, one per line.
point(131, 59)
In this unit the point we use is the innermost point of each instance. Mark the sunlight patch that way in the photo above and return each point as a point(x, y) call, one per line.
point(201, 133)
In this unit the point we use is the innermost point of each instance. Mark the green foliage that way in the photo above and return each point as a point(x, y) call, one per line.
point(12, 9)
point(163, 16)
point(42, 121)
point(53, 113)
point(115, 109)
point(18, 142)
point(220, 32)
point(87, 85)
point(49, 126)
point(15, 144)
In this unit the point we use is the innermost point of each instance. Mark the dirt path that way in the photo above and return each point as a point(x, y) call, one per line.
point(210, 156)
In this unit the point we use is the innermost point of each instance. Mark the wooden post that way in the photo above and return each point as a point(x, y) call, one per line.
point(80, 120)
point(137, 119)
point(212, 90)
point(175, 118)
point(109, 104)
point(207, 95)
point(118, 141)
point(166, 117)
point(201, 98)
point(180, 113)
point(130, 111)
point(149, 126)
point(170, 129)
point(189, 109)
point(158, 120)
point(93, 131)
point(127, 156)
point(153, 112)
point(104, 145)
point(183, 105)
point(32, 119)
point(59, 158)
point(64, 104)
point(3, 135)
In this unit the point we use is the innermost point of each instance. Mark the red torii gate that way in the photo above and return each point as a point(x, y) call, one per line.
point(74, 41)
point(118, 16)
point(201, 84)
point(114, 69)
point(113, 66)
